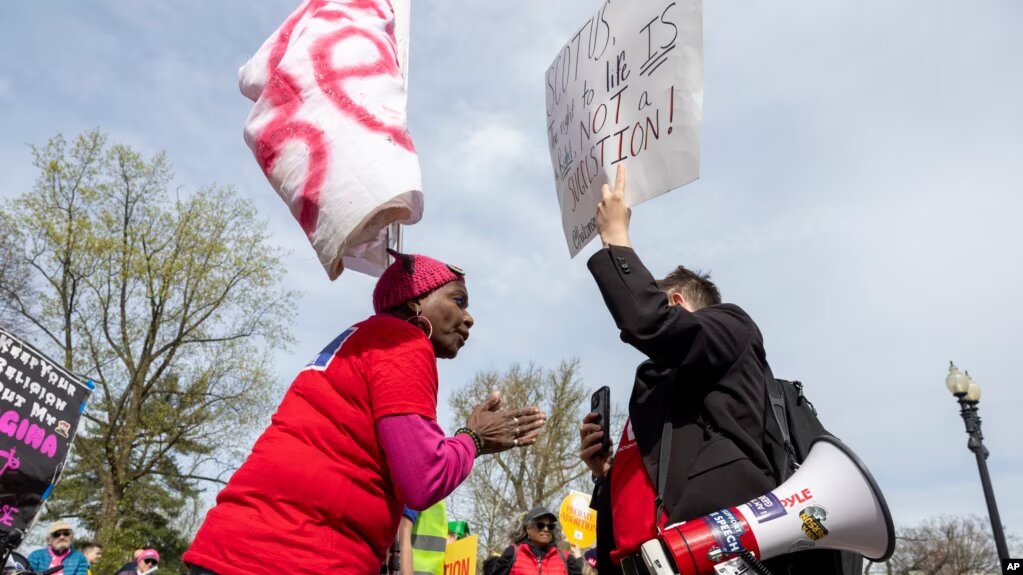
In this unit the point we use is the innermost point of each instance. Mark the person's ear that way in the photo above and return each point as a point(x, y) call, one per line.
point(415, 307)
point(676, 298)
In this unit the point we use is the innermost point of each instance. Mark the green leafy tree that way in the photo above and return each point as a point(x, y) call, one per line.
point(170, 304)
point(501, 487)
point(15, 275)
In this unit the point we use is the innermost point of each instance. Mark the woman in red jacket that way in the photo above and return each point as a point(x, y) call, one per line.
point(356, 437)
point(535, 550)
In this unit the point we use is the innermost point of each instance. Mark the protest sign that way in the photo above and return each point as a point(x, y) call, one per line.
point(627, 87)
point(40, 406)
point(578, 521)
point(460, 556)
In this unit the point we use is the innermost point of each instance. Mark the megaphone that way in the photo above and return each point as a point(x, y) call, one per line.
point(831, 502)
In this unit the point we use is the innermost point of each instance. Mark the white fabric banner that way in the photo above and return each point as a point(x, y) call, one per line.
point(626, 87)
point(329, 126)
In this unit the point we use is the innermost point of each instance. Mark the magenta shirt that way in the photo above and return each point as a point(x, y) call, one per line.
point(426, 466)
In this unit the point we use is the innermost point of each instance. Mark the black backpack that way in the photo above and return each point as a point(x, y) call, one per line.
point(790, 428)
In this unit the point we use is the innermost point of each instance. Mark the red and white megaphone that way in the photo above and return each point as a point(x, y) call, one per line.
point(831, 502)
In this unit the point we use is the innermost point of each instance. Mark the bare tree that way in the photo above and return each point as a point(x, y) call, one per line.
point(944, 545)
point(503, 486)
point(14, 273)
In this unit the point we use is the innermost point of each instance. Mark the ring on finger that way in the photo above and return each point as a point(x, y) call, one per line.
point(515, 442)
point(517, 432)
point(515, 420)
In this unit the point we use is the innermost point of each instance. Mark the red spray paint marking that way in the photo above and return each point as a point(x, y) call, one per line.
point(373, 5)
point(284, 93)
point(332, 81)
point(281, 90)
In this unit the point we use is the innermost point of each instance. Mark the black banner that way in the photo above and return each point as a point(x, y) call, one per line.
point(40, 406)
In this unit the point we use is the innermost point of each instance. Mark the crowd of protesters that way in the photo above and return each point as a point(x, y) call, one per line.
point(61, 556)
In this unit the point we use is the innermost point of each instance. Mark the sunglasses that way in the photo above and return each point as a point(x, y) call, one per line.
point(541, 526)
point(149, 561)
point(61, 533)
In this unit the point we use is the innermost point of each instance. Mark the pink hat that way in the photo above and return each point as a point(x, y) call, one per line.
point(409, 277)
point(149, 554)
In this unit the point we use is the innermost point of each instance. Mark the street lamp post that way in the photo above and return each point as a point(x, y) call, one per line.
point(967, 392)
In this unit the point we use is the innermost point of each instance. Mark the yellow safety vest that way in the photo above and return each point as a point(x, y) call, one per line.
point(429, 539)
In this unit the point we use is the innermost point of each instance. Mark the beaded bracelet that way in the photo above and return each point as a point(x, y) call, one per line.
point(475, 439)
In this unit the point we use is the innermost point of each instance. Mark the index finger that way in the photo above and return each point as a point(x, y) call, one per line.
point(620, 181)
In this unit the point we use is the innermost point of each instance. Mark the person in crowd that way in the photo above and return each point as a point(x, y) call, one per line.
point(590, 562)
point(535, 549)
point(422, 539)
point(93, 553)
point(356, 437)
point(58, 551)
point(130, 565)
point(699, 396)
point(489, 562)
point(146, 561)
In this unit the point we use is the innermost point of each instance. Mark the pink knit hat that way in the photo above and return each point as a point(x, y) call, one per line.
point(409, 277)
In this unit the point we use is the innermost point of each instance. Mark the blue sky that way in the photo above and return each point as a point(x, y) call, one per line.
point(859, 194)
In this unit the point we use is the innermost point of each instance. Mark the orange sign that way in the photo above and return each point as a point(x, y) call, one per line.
point(578, 521)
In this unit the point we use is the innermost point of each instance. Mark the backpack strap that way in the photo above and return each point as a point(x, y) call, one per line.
point(662, 472)
point(776, 399)
point(779, 410)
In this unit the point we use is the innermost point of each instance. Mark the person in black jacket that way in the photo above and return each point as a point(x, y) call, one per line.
point(698, 398)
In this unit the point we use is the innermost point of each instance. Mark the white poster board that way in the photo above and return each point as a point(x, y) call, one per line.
point(626, 87)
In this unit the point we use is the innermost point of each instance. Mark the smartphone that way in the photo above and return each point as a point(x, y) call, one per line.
point(600, 403)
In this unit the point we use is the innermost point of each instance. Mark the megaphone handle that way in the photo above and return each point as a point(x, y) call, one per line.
point(753, 563)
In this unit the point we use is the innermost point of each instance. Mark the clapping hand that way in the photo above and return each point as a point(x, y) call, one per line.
point(503, 430)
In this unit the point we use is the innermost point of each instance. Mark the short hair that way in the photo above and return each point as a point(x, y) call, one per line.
point(695, 287)
point(90, 545)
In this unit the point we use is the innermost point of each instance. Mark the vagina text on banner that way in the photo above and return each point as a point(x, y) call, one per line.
point(329, 129)
point(41, 404)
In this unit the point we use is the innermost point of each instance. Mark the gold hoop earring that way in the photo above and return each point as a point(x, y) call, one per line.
point(417, 317)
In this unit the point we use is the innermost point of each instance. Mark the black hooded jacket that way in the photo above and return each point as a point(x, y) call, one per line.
point(706, 375)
